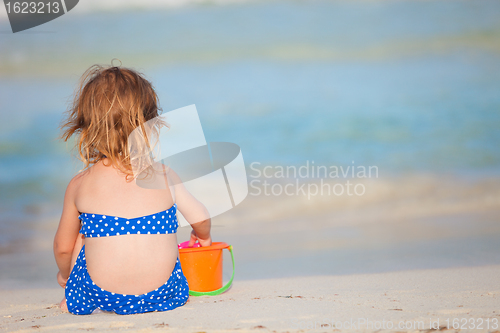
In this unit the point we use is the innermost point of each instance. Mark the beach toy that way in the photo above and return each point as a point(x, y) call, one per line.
point(185, 245)
point(202, 267)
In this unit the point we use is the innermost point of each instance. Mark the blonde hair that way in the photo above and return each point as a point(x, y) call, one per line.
point(108, 105)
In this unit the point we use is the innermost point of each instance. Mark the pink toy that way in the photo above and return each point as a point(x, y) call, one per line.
point(185, 245)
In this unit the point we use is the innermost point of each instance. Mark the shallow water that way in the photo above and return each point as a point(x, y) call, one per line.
point(408, 86)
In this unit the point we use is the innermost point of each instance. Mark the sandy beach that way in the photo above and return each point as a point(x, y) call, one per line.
point(410, 252)
point(407, 88)
point(404, 301)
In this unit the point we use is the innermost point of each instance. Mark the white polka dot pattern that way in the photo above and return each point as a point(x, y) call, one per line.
point(83, 296)
point(96, 225)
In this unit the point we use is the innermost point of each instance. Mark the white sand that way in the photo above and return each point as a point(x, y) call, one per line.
point(420, 250)
point(288, 304)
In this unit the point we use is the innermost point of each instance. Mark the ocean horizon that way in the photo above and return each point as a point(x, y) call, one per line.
point(335, 82)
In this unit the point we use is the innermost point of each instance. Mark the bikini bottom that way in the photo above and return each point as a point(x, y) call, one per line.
point(83, 296)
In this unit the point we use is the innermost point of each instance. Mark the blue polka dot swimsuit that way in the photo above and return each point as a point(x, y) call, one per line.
point(83, 296)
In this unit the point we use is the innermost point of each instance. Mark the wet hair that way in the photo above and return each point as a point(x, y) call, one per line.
point(109, 103)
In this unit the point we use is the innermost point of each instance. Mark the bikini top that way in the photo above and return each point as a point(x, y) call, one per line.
point(96, 225)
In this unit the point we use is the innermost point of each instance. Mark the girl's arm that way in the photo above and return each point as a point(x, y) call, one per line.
point(67, 232)
point(193, 211)
point(201, 233)
point(196, 214)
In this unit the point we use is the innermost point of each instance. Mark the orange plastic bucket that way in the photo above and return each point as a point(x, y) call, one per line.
point(202, 267)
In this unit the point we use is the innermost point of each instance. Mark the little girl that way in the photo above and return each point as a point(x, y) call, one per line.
point(116, 245)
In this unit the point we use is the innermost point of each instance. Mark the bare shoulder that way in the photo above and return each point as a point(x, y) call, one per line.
point(160, 169)
point(76, 181)
point(171, 175)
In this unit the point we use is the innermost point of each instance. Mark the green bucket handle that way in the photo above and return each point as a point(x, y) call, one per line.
point(220, 290)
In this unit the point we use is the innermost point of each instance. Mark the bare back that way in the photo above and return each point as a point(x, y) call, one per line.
point(126, 264)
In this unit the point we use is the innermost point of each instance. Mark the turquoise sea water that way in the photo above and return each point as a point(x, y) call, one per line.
point(408, 86)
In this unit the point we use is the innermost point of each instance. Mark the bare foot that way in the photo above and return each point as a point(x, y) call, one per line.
point(63, 305)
